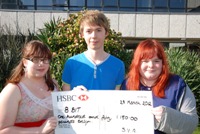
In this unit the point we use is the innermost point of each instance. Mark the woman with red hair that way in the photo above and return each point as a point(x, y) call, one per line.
point(173, 101)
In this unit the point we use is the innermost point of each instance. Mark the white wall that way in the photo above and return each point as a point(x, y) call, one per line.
point(135, 25)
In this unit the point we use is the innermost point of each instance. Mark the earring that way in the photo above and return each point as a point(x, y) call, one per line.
point(46, 76)
point(25, 71)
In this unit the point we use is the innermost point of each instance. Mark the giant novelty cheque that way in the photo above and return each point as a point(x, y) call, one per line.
point(103, 112)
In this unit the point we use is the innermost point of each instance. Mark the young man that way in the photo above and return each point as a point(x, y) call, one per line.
point(94, 69)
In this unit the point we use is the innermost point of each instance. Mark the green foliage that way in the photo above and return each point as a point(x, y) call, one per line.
point(197, 130)
point(186, 64)
point(10, 50)
point(63, 38)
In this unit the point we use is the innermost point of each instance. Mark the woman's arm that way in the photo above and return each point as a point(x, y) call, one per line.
point(180, 122)
point(9, 101)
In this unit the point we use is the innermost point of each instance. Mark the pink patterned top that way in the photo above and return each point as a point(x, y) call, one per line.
point(31, 108)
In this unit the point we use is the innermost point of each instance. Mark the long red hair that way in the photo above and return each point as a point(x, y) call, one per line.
point(146, 50)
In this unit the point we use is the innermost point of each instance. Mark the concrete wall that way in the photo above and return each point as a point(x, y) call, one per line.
point(157, 25)
point(193, 3)
point(137, 25)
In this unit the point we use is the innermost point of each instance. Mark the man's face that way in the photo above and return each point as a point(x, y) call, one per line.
point(94, 36)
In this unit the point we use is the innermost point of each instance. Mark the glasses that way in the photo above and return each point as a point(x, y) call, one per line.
point(38, 60)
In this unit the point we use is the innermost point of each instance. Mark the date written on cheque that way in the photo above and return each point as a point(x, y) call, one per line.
point(130, 102)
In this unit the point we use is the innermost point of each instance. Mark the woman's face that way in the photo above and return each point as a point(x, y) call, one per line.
point(150, 69)
point(36, 67)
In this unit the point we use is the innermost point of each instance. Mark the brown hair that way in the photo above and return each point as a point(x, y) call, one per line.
point(92, 17)
point(33, 48)
point(146, 50)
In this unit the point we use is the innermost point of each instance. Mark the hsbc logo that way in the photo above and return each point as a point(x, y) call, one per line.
point(83, 97)
point(62, 98)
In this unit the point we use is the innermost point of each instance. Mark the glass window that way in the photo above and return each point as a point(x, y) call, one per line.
point(27, 2)
point(60, 1)
point(144, 5)
point(110, 2)
point(127, 5)
point(177, 5)
point(160, 3)
point(76, 5)
point(60, 4)
point(160, 6)
point(110, 5)
point(44, 4)
point(9, 1)
point(77, 2)
point(107, 5)
point(94, 4)
point(9, 4)
point(40, 4)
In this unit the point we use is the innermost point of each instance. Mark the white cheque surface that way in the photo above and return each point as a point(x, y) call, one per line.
point(103, 112)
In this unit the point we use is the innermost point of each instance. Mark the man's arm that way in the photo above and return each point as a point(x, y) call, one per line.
point(117, 87)
point(66, 87)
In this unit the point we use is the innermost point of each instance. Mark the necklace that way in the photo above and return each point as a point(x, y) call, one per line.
point(146, 85)
point(38, 87)
point(33, 85)
point(42, 88)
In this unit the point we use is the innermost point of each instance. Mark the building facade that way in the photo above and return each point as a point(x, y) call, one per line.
point(174, 22)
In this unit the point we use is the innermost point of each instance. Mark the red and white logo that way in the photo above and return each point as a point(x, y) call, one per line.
point(83, 97)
